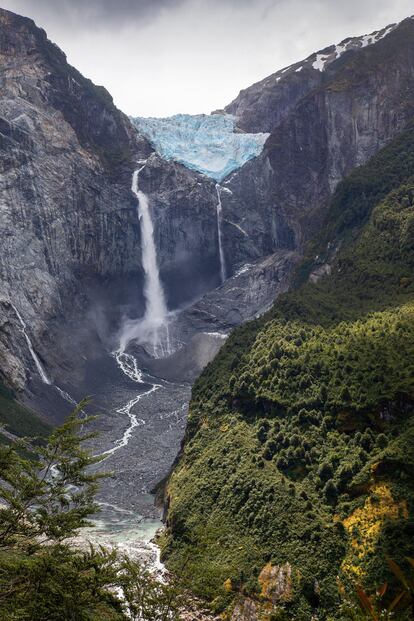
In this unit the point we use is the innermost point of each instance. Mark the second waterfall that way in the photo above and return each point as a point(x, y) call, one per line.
point(152, 330)
point(219, 235)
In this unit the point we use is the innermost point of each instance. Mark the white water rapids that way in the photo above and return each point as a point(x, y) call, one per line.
point(122, 523)
point(115, 526)
point(118, 525)
point(128, 518)
point(142, 417)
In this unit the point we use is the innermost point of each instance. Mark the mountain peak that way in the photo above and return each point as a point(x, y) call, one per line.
point(263, 105)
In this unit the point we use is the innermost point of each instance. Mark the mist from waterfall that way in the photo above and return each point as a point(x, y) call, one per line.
point(152, 330)
point(219, 235)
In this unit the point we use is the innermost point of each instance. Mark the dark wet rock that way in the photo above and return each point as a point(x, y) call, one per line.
point(249, 293)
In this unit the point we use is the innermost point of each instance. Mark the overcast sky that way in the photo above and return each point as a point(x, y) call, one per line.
point(160, 57)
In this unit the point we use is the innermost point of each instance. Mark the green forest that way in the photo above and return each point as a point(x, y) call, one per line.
point(294, 492)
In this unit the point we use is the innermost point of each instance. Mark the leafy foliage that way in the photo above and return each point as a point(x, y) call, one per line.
point(45, 499)
point(148, 598)
point(375, 607)
point(353, 365)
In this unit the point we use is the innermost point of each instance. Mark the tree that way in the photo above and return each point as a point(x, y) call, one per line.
point(46, 495)
point(331, 491)
point(147, 597)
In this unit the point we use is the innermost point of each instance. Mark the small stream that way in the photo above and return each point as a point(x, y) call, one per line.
point(140, 429)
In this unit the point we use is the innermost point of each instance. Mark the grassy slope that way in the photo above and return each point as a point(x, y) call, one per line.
point(300, 440)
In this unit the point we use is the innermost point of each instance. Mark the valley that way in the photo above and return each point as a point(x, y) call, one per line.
point(233, 293)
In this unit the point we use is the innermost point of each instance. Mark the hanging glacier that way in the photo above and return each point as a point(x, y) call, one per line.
point(209, 144)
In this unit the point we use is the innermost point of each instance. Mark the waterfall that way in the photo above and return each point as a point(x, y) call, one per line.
point(156, 309)
point(36, 360)
point(43, 376)
point(219, 235)
point(152, 330)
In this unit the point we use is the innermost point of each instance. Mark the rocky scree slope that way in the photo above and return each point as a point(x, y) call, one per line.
point(298, 458)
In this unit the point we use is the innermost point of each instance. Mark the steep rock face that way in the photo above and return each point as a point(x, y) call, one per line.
point(264, 105)
point(65, 154)
point(360, 102)
point(183, 205)
point(70, 231)
point(247, 294)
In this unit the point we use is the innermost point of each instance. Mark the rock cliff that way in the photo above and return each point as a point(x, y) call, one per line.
point(66, 213)
point(70, 233)
point(70, 260)
point(345, 113)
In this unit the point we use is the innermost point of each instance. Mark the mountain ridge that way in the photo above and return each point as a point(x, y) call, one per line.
point(85, 242)
point(265, 85)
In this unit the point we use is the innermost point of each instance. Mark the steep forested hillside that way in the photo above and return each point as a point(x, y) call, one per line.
point(18, 421)
point(298, 462)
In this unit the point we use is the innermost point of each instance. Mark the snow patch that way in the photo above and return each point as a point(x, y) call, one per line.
point(340, 49)
point(350, 44)
point(320, 61)
point(376, 36)
point(367, 40)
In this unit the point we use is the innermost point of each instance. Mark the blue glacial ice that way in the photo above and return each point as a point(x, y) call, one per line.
point(206, 143)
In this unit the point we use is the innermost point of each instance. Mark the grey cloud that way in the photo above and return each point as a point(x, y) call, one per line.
point(110, 14)
point(93, 13)
point(160, 57)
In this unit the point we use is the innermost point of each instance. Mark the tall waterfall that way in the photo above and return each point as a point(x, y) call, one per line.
point(33, 354)
point(219, 235)
point(152, 329)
